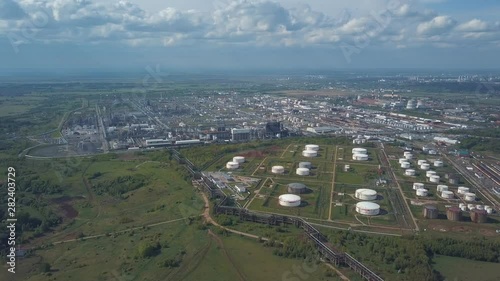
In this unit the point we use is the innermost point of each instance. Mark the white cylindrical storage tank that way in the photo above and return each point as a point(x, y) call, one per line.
point(360, 157)
point(405, 165)
point(447, 194)
point(232, 165)
point(463, 208)
point(442, 187)
point(307, 165)
point(430, 173)
point(480, 207)
point(418, 185)
point(289, 200)
point(401, 160)
point(359, 150)
point(313, 147)
point(309, 153)
point(489, 209)
point(425, 166)
point(422, 192)
point(438, 163)
point(420, 162)
point(463, 190)
point(471, 206)
point(239, 159)
point(434, 178)
point(410, 172)
point(365, 194)
point(462, 205)
point(278, 170)
point(302, 171)
point(409, 156)
point(470, 197)
point(368, 208)
point(406, 153)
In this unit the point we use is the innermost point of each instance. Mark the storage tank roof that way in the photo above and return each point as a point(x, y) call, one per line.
point(368, 205)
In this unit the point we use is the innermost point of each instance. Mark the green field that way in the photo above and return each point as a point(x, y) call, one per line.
point(459, 269)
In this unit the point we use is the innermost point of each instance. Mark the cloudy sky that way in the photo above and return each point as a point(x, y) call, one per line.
point(251, 34)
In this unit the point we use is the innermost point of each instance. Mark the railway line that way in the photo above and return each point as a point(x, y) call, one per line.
point(402, 211)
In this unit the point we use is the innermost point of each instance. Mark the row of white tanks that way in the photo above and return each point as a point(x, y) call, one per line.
point(359, 154)
point(464, 207)
point(235, 164)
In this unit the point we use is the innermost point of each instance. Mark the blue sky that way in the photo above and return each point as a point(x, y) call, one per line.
point(251, 34)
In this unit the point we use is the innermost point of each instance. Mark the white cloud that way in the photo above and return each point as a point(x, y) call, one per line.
point(437, 25)
point(474, 25)
point(247, 22)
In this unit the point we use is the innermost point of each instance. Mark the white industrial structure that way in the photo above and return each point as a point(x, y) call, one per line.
point(488, 209)
point(232, 165)
point(409, 156)
point(438, 163)
point(410, 172)
point(430, 173)
point(366, 194)
point(289, 200)
point(278, 170)
point(470, 197)
point(368, 208)
point(359, 150)
point(302, 171)
point(314, 147)
point(442, 187)
point(422, 192)
point(309, 153)
point(307, 165)
point(425, 166)
point(401, 160)
point(405, 165)
point(447, 194)
point(359, 157)
point(434, 178)
point(418, 185)
point(420, 162)
point(463, 190)
point(239, 159)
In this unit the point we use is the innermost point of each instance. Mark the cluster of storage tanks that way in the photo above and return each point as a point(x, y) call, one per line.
point(292, 199)
point(235, 164)
point(422, 164)
point(420, 189)
point(477, 215)
point(311, 150)
point(359, 154)
point(365, 207)
point(462, 191)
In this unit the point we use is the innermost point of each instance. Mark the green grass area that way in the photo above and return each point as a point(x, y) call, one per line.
point(460, 269)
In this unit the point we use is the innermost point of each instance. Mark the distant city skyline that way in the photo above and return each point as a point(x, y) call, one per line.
point(244, 35)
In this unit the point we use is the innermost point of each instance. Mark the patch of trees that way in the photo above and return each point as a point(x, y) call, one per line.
point(488, 133)
point(479, 249)
point(295, 247)
point(36, 185)
point(148, 249)
point(121, 185)
point(175, 261)
point(480, 144)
